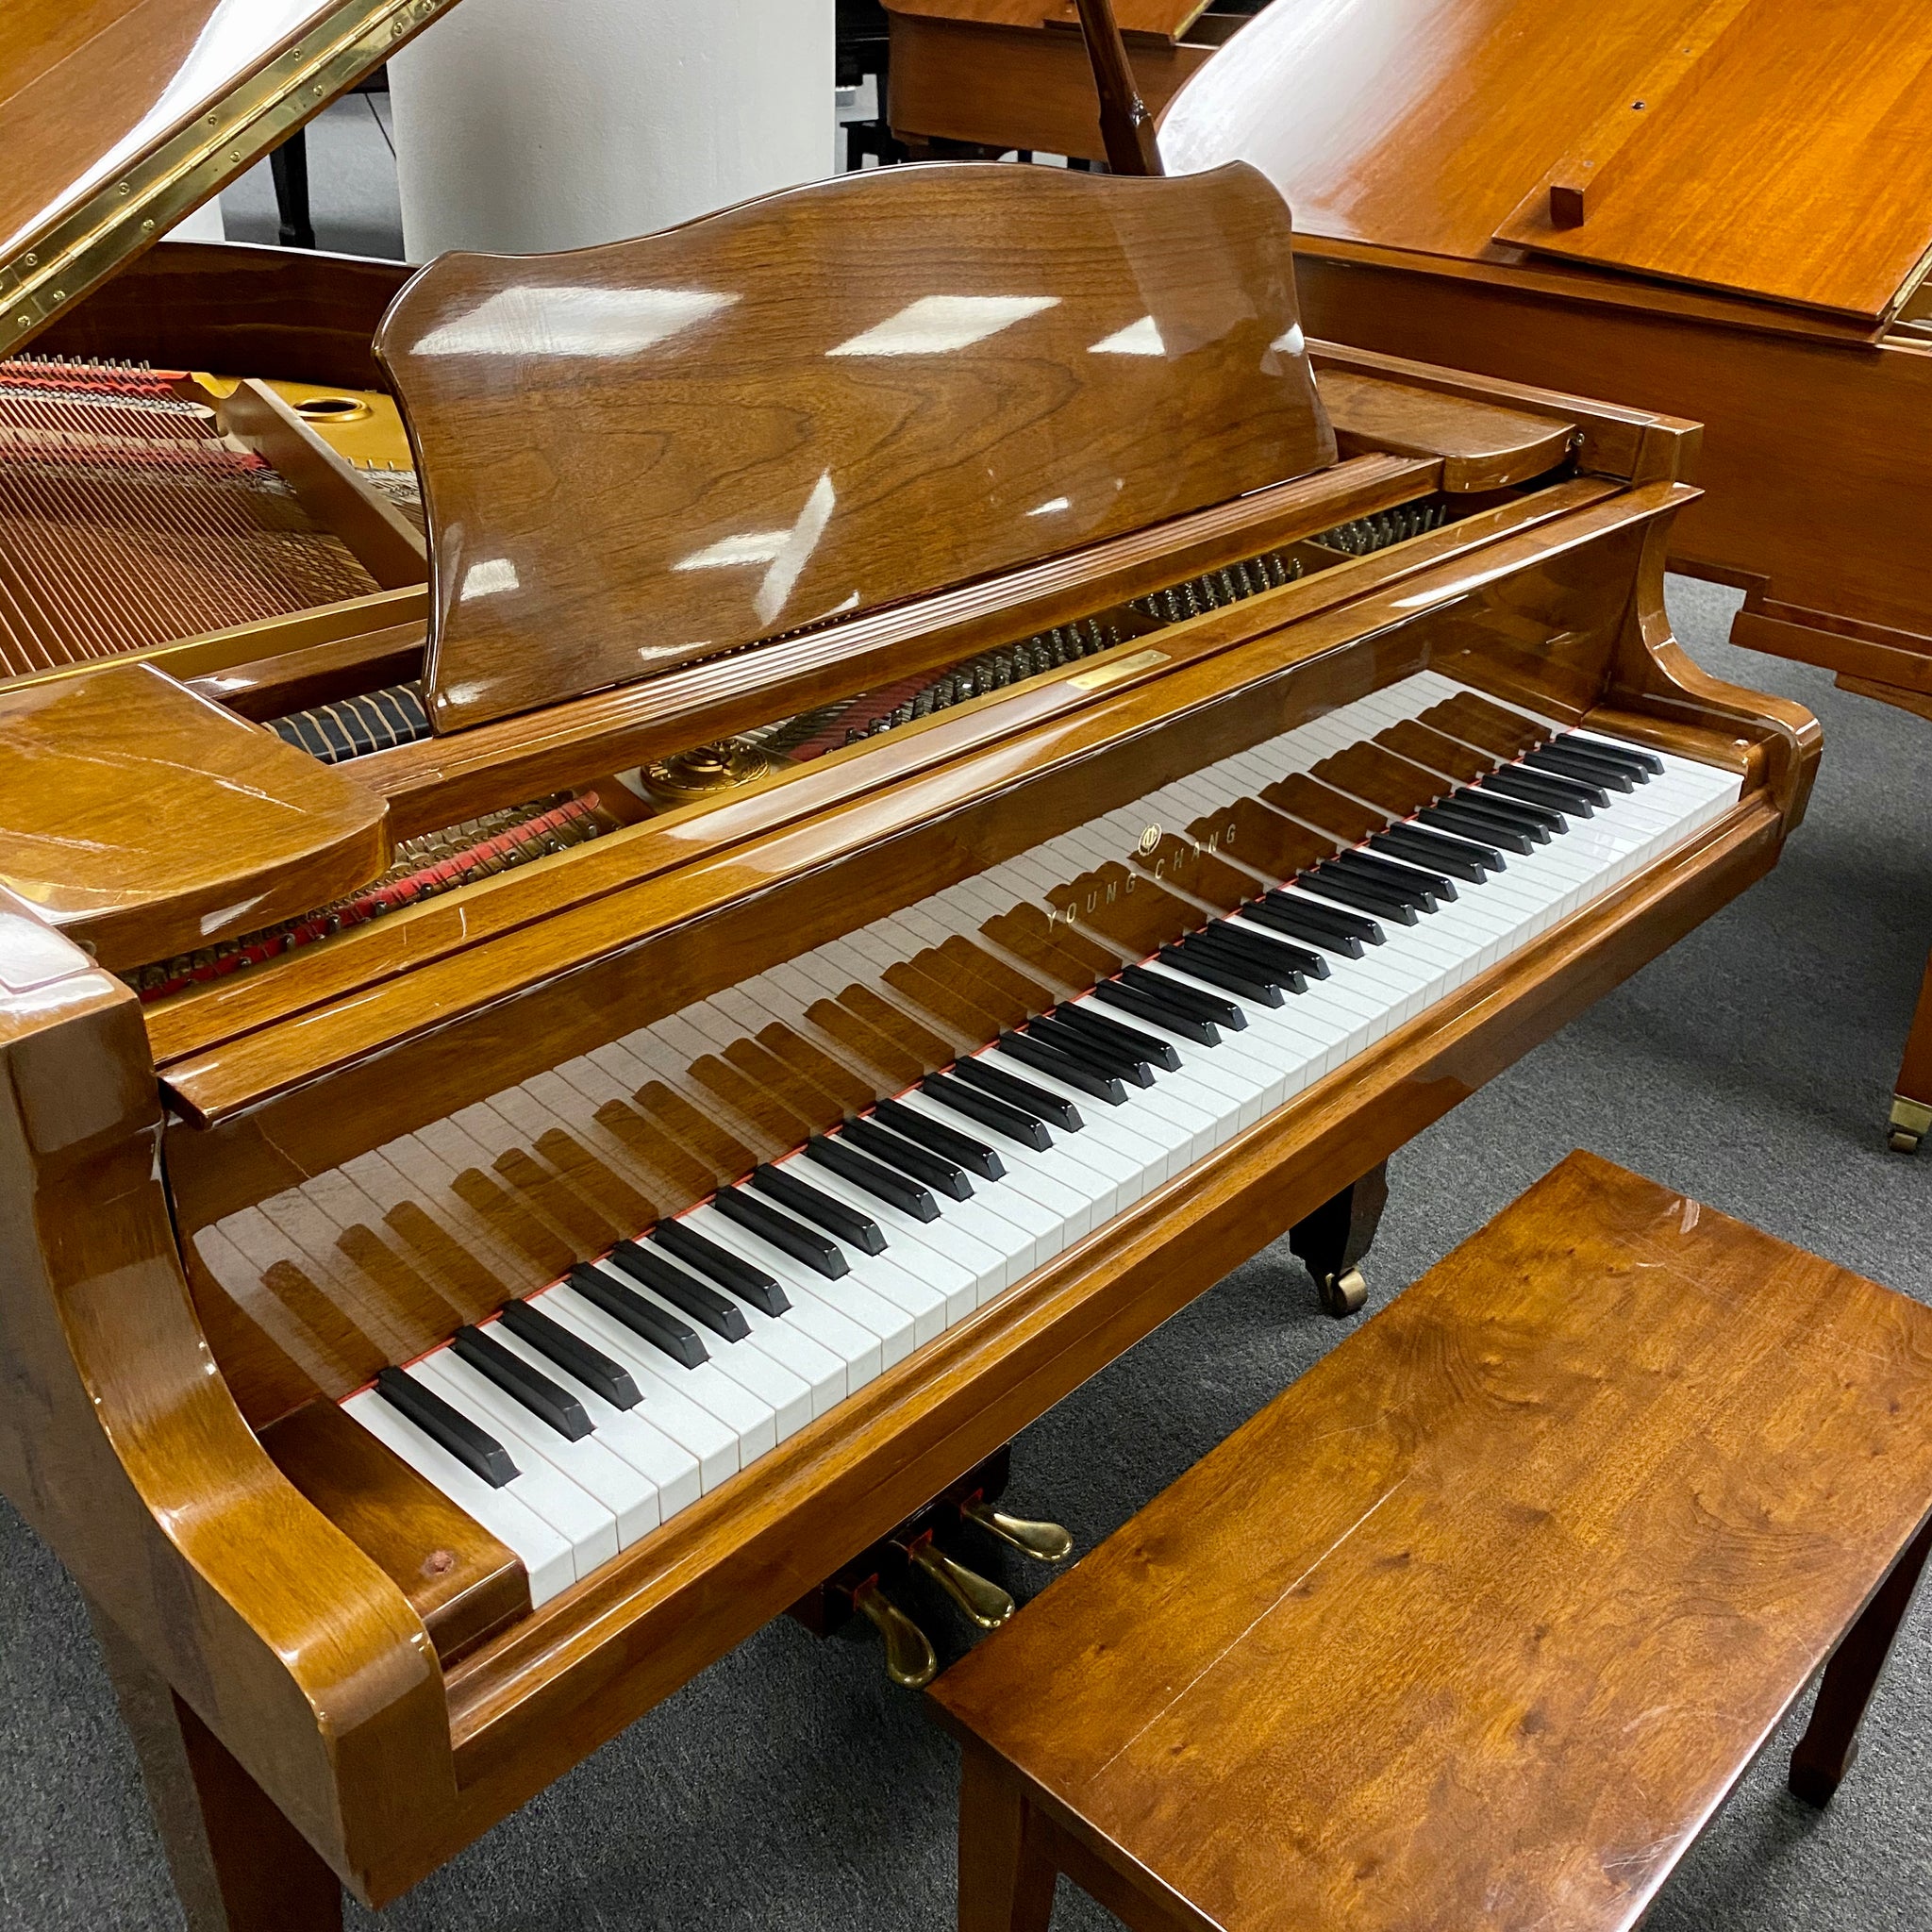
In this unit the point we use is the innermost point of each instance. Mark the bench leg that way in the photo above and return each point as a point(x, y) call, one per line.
point(1332, 1241)
point(1830, 1744)
point(1911, 1106)
point(1005, 1871)
point(237, 1864)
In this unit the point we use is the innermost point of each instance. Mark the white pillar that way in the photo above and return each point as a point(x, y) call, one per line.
point(203, 223)
point(525, 126)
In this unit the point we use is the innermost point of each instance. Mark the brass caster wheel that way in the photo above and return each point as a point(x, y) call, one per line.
point(1902, 1141)
point(1343, 1294)
point(1911, 1120)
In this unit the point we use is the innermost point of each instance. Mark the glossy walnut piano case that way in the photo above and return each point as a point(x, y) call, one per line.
point(1721, 209)
point(199, 1267)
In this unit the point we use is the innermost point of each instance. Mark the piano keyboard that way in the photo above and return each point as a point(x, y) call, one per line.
point(1105, 1010)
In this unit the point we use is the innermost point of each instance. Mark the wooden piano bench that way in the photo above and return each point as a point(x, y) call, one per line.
point(1477, 1625)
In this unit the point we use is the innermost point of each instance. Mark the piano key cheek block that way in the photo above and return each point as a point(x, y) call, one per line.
point(854, 925)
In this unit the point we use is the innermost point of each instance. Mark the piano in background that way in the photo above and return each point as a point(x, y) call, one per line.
point(983, 76)
point(1042, 799)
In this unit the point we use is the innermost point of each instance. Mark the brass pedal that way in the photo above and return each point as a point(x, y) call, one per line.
point(1045, 1542)
point(910, 1661)
point(983, 1601)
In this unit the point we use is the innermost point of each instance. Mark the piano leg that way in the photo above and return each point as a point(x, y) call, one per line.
point(1911, 1107)
point(237, 1864)
point(1332, 1241)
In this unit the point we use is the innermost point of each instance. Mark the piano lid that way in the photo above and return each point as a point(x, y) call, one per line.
point(119, 116)
point(1780, 149)
point(829, 400)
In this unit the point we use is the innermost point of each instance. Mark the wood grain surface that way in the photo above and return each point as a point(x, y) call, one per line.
point(1795, 162)
point(236, 309)
point(146, 821)
point(831, 399)
point(1479, 1622)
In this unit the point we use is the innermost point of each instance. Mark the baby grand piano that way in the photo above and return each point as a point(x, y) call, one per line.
point(1081, 774)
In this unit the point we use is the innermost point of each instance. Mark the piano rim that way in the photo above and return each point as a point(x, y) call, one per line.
point(539, 1698)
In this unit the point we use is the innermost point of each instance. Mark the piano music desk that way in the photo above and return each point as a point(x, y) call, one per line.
point(1481, 1621)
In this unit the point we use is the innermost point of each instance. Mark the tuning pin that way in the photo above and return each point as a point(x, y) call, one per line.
point(984, 1602)
point(1045, 1542)
point(910, 1658)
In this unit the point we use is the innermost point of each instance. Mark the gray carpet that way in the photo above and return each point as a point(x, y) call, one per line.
point(790, 1789)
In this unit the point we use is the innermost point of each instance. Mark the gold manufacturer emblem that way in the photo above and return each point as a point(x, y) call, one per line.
point(1150, 838)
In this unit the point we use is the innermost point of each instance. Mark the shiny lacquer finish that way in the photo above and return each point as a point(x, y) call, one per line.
point(1477, 184)
point(1479, 1622)
point(835, 398)
point(1774, 147)
point(118, 117)
point(144, 821)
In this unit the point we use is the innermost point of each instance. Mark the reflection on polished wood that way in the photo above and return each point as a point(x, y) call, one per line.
point(248, 1198)
point(1480, 1621)
point(1769, 156)
point(827, 401)
point(143, 821)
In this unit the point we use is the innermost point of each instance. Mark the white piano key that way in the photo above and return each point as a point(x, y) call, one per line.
point(686, 1421)
point(625, 1505)
point(669, 1468)
point(545, 1554)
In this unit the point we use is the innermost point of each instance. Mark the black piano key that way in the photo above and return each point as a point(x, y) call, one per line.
point(697, 1299)
point(749, 1284)
point(1197, 1000)
point(1469, 863)
point(1064, 1068)
point(1321, 925)
point(1565, 763)
point(1425, 891)
point(944, 1177)
point(449, 1428)
point(1017, 1093)
point(1254, 952)
point(1631, 755)
point(1264, 945)
point(1593, 786)
point(1466, 822)
point(1028, 1129)
point(1106, 1055)
point(1539, 787)
point(811, 1204)
point(573, 1355)
point(880, 1182)
point(517, 1379)
point(819, 1253)
point(1512, 810)
point(949, 1143)
point(644, 1319)
point(1143, 1046)
point(1158, 1014)
point(1360, 893)
point(1218, 968)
